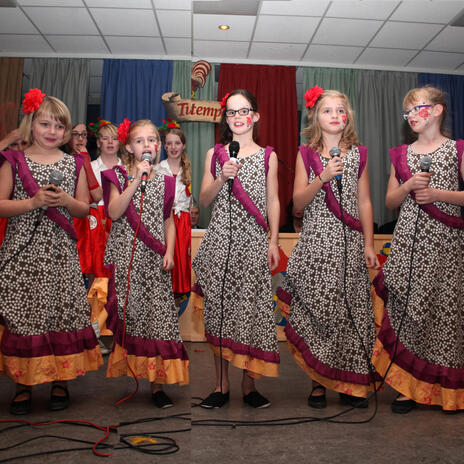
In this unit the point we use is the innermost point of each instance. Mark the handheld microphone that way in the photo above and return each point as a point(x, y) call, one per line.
point(425, 163)
point(143, 185)
point(335, 151)
point(234, 148)
point(55, 178)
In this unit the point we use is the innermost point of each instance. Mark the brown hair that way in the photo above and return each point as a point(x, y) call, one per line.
point(436, 96)
point(185, 163)
point(127, 158)
point(313, 132)
point(53, 107)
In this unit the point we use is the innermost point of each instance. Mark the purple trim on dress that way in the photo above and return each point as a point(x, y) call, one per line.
point(242, 349)
point(267, 156)
point(239, 191)
point(284, 296)
point(32, 187)
point(312, 161)
point(49, 344)
point(138, 346)
point(109, 177)
point(460, 148)
point(197, 289)
point(10, 156)
point(363, 159)
point(322, 369)
point(169, 193)
point(398, 156)
point(379, 285)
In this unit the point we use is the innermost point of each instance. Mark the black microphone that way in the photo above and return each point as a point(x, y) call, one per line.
point(333, 152)
point(143, 185)
point(234, 148)
point(425, 163)
point(55, 178)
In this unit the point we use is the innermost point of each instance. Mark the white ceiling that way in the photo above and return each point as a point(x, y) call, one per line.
point(408, 35)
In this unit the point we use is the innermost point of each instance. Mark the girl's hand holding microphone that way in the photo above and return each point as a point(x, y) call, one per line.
point(230, 169)
point(334, 168)
point(143, 167)
point(418, 181)
point(51, 196)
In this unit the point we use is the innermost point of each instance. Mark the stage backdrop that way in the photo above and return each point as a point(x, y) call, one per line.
point(275, 89)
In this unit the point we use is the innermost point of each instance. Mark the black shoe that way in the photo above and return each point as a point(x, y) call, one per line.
point(317, 401)
point(20, 408)
point(354, 401)
point(256, 400)
point(58, 402)
point(402, 407)
point(215, 400)
point(161, 400)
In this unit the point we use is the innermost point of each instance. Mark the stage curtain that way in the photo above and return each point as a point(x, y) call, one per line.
point(200, 135)
point(275, 89)
point(343, 80)
point(454, 87)
point(380, 127)
point(11, 79)
point(64, 78)
point(133, 88)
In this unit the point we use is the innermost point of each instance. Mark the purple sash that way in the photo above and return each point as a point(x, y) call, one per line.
point(18, 162)
point(109, 177)
point(312, 161)
point(220, 155)
point(398, 157)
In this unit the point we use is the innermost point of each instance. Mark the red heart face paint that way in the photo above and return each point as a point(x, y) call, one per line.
point(249, 121)
point(344, 118)
point(424, 113)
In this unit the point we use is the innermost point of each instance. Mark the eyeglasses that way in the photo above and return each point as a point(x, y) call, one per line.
point(414, 110)
point(241, 112)
point(79, 134)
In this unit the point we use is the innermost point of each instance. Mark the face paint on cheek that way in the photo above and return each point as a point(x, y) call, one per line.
point(424, 113)
point(344, 118)
point(249, 121)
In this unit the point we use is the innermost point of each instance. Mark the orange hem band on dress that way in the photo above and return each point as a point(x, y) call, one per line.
point(337, 385)
point(97, 298)
point(43, 369)
point(155, 369)
point(255, 367)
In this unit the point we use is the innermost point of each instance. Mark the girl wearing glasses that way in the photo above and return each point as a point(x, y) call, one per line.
point(234, 262)
point(420, 289)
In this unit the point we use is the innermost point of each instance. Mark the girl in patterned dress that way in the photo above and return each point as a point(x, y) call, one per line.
point(46, 334)
point(142, 314)
point(420, 288)
point(178, 165)
point(234, 262)
point(326, 291)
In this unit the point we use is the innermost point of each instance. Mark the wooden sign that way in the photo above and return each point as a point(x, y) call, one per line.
point(181, 109)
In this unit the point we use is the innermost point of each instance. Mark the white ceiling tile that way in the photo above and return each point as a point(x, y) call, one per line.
point(173, 5)
point(385, 57)
point(425, 11)
point(435, 60)
point(175, 23)
point(367, 9)
point(119, 4)
point(294, 7)
point(451, 39)
point(24, 44)
point(405, 35)
point(135, 45)
point(179, 47)
point(119, 21)
point(205, 49)
point(62, 20)
point(276, 51)
point(331, 54)
point(77, 44)
point(96, 67)
point(50, 2)
point(335, 31)
point(13, 21)
point(290, 29)
point(95, 84)
point(205, 27)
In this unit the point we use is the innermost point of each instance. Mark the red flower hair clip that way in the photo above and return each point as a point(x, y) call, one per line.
point(32, 100)
point(94, 127)
point(312, 95)
point(224, 101)
point(123, 130)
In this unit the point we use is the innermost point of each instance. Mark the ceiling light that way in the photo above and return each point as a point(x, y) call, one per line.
point(224, 27)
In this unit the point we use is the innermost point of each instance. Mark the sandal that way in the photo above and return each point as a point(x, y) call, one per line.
point(58, 402)
point(20, 408)
point(317, 401)
point(354, 401)
point(402, 407)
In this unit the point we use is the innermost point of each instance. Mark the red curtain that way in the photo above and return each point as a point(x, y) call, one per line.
point(275, 89)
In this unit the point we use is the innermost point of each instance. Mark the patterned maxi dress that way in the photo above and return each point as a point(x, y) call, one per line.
point(248, 336)
point(46, 333)
point(152, 340)
point(429, 361)
point(320, 333)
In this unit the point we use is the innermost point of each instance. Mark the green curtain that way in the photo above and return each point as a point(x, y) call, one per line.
point(200, 135)
point(343, 80)
point(380, 127)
